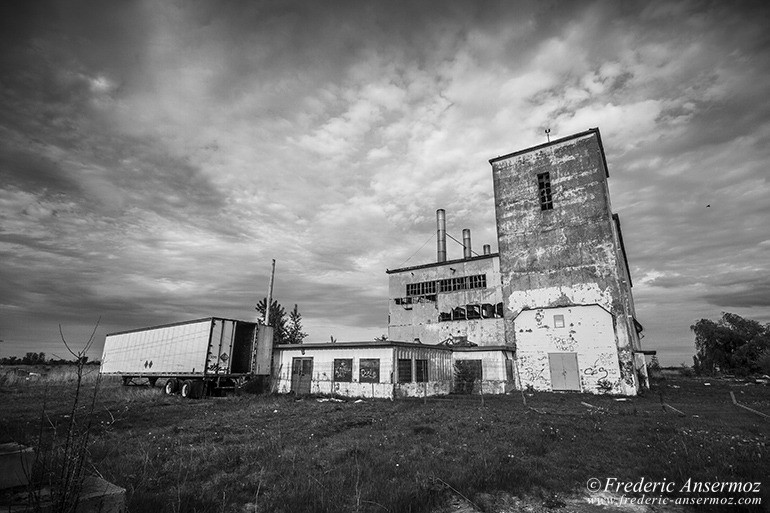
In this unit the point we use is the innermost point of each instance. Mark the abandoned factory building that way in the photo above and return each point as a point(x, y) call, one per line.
point(557, 295)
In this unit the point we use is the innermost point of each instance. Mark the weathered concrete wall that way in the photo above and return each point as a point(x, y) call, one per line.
point(568, 255)
point(420, 318)
point(588, 331)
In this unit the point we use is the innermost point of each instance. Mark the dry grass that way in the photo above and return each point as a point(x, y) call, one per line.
point(21, 375)
point(271, 453)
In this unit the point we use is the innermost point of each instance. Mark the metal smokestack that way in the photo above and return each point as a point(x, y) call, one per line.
point(467, 243)
point(487, 249)
point(441, 234)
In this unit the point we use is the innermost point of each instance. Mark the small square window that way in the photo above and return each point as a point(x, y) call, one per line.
point(369, 370)
point(558, 321)
point(343, 369)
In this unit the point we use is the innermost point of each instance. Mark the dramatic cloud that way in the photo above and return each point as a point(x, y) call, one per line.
point(155, 156)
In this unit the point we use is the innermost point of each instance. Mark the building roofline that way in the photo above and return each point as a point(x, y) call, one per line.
point(356, 345)
point(616, 219)
point(474, 349)
point(180, 323)
point(558, 141)
point(437, 264)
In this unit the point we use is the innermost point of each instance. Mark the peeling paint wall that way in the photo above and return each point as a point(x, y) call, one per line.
point(567, 255)
point(420, 318)
point(587, 331)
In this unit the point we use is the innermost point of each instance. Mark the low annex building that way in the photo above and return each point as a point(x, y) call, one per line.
point(363, 369)
point(388, 369)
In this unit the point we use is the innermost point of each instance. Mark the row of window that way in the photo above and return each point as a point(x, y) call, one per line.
point(470, 312)
point(425, 288)
point(405, 371)
point(368, 370)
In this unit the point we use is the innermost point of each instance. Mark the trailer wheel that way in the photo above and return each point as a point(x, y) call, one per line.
point(186, 389)
point(171, 386)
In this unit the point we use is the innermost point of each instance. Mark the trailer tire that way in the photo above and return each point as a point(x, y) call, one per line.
point(171, 387)
point(186, 389)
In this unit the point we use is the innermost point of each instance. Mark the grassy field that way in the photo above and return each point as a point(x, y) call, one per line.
point(274, 453)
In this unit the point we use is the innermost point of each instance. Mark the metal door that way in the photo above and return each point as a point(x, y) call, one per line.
point(564, 371)
point(301, 374)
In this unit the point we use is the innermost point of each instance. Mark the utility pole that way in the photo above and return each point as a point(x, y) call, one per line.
point(266, 320)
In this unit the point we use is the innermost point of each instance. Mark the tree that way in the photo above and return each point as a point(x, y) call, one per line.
point(277, 320)
point(731, 344)
point(295, 335)
point(33, 359)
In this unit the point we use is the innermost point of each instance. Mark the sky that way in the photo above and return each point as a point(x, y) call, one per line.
point(156, 156)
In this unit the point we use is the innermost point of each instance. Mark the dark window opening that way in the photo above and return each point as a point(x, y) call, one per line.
point(404, 371)
point(467, 312)
point(369, 370)
point(421, 371)
point(544, 191)
point(343, 369)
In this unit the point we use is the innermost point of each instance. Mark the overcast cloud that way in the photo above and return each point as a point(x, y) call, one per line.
point(156, 155)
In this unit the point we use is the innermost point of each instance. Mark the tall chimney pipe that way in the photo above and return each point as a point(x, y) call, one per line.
point(467, 243)
point(441, 234)
point(487, 249)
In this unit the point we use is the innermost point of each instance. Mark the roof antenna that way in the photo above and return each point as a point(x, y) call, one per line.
point(548, 134)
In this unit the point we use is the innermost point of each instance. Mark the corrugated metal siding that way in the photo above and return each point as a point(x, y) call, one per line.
point(439, 361)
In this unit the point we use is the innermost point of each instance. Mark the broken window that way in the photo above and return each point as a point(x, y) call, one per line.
point(421, 289)
point(487, 311)
point(444, 316)
point(343, 369)
point(421, 371)
point(458, 314)
point(477, 282)
point(544, 191)
point(473, 312)
point(404, 370)
point(369, 370)
point(499, 309)
point(558, 321)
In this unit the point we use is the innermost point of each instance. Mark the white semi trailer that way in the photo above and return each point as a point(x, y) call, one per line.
point(195, 358)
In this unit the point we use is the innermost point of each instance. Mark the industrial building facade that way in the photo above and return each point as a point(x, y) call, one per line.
point(558, 293)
